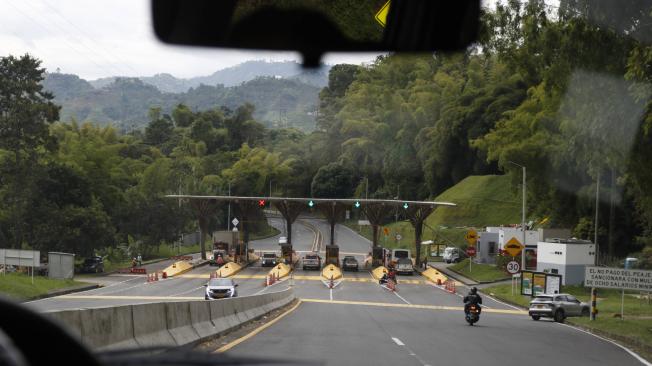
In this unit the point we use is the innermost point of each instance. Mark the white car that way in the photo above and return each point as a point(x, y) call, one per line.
point(220, 288)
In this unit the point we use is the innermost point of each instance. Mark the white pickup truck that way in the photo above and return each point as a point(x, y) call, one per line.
point(403, 261)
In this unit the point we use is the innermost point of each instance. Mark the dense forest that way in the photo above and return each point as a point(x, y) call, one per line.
point(125, 102)
point(564, 91)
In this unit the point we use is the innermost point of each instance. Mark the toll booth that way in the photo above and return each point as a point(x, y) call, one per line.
point(378, 257)
point(332, 255)
point(286, 252)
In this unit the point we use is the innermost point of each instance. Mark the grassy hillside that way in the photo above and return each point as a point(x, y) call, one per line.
point(486, 200)
point(481, 201)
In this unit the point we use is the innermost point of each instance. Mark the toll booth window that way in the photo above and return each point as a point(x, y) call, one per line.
point(554, 270)
point(492, 248)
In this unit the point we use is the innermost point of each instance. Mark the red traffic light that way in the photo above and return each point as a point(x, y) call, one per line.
point(261, 203)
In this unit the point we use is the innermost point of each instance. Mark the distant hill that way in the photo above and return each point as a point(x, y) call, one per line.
point(482, 200)
point(232, 76)
point(125, 102)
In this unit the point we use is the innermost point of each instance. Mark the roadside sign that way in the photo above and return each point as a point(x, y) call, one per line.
point(381, 15)
point(513, 267)
point(471, 237)
point(386, 231)
point(470, 251)
point(398, 237)
point(513, 247)
point(534, 283)
point(364, 223)
point(235, 221)
point(618, 278)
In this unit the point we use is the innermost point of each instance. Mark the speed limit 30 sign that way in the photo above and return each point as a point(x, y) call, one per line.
point(513, 267)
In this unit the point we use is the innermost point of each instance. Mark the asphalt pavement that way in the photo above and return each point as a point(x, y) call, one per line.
point(361, 323)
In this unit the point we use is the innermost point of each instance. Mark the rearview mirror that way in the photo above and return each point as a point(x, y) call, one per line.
point(205, 285)
point(236, 285)
point(314, 27)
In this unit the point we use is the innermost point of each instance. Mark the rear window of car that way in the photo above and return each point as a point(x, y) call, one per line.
point(311, 257)
point(401, 254)
point(543, 298)
point(269, 255)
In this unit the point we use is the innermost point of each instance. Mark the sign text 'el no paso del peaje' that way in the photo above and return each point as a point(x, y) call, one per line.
point(627, 279)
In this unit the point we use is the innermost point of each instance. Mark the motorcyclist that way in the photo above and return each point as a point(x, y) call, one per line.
point(392, 274)
point(384, 279)
point(473, 298)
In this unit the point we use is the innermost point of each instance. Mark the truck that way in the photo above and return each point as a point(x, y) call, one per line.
point(402, 259)
point(224, 243)
point(311, 261)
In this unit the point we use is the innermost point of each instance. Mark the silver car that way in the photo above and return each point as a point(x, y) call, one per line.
point(219, 288)
point(557, 306)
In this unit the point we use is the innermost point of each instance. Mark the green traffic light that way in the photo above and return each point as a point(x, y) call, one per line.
point(405, 205)
point(311, 203)
point(357, 204)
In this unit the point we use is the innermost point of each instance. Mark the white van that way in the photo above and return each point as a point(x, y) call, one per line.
point(452, 255)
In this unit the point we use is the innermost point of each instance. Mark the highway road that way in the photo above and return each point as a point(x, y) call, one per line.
point(362, 323)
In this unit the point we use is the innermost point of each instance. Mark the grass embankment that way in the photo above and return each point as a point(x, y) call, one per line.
point(19, 286)
point(479, 272)
point(481, 201)
point(634, 331)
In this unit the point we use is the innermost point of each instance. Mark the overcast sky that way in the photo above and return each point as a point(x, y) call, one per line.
point(99, 38)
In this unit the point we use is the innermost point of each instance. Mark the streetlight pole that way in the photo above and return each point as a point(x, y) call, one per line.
point(523, 213)
point(228, 217)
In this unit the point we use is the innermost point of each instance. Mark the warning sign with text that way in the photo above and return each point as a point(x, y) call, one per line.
point(627, 279)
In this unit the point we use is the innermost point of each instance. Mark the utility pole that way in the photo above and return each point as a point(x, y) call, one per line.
point(523, 214)
point(595, 223)
point(228, 217)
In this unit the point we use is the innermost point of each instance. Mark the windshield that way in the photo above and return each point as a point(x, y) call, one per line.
point(220, 282)
point(519, 165)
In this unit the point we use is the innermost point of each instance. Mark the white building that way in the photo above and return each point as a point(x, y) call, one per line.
point(495, 238)
point(566, 257)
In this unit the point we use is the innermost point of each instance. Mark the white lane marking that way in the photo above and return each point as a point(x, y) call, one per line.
point(266, 287)
point(410, 352)
point(401, 297)
point(504, 303)
point(185, 292)
point(331, 294)
point(632, 353)
point(91, 290)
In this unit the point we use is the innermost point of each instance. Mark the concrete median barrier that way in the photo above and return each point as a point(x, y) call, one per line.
point(378, 272)
point(230, 313)
point(179, 322)
point(69, 319)
point(228, 270)
point(150, 325)
point(108, 328)
point(217, 317)
point(166, 324)
point(200, 318)
point(331, 272)
point(280, 270)
point(434, 276)
point(178, 268)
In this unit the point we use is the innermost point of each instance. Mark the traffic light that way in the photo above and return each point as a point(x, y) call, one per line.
point(405, 205)
point(261, 203)
point(357, 204)
point(310, 203)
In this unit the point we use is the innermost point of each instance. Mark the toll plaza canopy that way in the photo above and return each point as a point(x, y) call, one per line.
point(376, 210)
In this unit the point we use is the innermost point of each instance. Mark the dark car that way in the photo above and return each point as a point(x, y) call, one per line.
point(349, 263)
point(92, 265)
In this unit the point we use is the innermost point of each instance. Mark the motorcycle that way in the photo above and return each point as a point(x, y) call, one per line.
point(473, 315)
